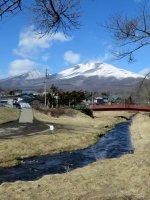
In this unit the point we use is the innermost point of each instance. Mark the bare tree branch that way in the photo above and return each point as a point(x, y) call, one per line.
point(145, 77)
point(142, 91)
point(51, 16)
point(9, 6)
point(131, 34)
point(48, 15)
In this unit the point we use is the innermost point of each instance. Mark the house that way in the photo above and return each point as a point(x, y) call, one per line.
point(6, 103)
point(17, 92)
point(101, 100)
point(3, 93)
point(117, 98)
point(30, 93)
point(96, 99)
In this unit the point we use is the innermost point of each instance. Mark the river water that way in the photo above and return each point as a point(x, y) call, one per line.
point(115, 143)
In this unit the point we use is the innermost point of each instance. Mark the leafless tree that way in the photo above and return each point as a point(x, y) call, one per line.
point(131, 33)
point(54, 15)
point(49, 15)
point(9, 6)
point(146, 77)
point(141, 93)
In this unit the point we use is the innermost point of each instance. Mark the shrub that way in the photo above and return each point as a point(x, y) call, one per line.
point(57, 112)
point(70, 112)
point(88, 112)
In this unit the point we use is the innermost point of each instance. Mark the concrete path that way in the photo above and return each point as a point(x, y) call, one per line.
point(15, 129)
point(26, 116)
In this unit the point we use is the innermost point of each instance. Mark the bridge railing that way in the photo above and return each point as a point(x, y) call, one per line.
point(120, 107)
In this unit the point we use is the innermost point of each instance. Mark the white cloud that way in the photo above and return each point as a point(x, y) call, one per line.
point(108, 54)
point(60, 37)
point(31, 43)
point(20, 66)
point(45, 58)
point(106, 57)
point(71, 57)
point(145, 71)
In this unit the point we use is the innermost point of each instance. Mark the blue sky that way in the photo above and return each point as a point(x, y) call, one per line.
point(21, 50)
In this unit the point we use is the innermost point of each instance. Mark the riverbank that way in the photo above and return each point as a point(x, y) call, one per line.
point(140, 133)
point(113, 179)
point(70, 133)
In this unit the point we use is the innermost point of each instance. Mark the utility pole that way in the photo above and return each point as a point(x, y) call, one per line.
point(92, 99)
point(46, 76)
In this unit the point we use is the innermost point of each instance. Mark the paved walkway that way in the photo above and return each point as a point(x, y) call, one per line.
point(26, 116)
point(13, 129)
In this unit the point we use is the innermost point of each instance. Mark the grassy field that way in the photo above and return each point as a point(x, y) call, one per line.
point(8, 114)
point(125, 178)
point(71, 133)
point(141, 133)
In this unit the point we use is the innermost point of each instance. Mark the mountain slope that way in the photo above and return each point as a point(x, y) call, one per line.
point(97, 69)
point(35, 74)
point(89, 76)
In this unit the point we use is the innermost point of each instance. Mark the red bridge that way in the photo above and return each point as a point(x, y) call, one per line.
point(121, 107)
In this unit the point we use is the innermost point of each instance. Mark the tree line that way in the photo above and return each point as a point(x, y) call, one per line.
point(60, 98)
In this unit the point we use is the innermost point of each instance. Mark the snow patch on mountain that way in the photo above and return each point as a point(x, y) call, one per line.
point(97, 69)
point(34, 75)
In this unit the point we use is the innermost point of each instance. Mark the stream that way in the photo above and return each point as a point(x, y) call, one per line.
point(115, 143)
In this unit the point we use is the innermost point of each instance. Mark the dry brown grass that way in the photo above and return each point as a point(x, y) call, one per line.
point(125, 178)
point(76, 132)
point(141, 132)
point(8, 114)
point(101, 119)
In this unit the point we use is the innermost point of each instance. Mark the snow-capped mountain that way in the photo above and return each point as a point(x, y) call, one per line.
point(34, 75)
point(97, 69)
point(90, 76)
